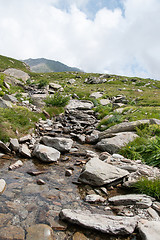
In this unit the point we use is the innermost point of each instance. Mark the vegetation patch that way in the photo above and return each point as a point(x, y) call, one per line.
point(58, 100)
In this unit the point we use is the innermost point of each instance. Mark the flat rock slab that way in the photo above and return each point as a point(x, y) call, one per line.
point(141, 200)
point(24, 151)
point(14, 144)
point(115, 143)
point(2, 185)
point(115, 225)
point(40, 232)
point(12, 232)
point(59, 143)
point(5, 104)
point(17, 74)
point(149, 230)
point(45, 153)
point(98, 173)
point(4, 147)
point(80, 104)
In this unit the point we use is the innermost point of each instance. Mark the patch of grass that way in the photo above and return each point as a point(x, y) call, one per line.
point(53, 111)
point(103, 110)
point(148, 187)
point(58, 100)
point(6, 62)
point(42, 83)
point(115, 119)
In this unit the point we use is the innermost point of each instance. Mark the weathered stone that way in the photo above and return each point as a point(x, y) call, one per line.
point(4, 148)
point(12, 232)
point(40, 232)
point(98, 173)
point(10, 98)
point(59, 143)
point(38, 99)
point(94, 80)
point(79, 236)
point(24, 151)
point(5, 104)
point(96, 95)
point(14, 144)
point(114, 144)
point(81, 105)
point(45, 153)
point(5, 219)
point(93, 138)
point(2, 185)
point(68, 172)
point(25, 138)
point(92, 198)
point(17, 74)
point(105, 102)
point(154, 215)
point(71, 81)
point(156, 206)
point(15, 165)
point(140, 200)
point(114, 225)
point(149, 230)
point(56, 86)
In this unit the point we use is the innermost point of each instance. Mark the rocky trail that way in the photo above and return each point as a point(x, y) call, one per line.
point(66, 181)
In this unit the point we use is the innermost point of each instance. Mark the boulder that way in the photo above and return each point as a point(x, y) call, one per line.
point(94, 80)
point(92, 198)
point(14, 144)
point(115, 143)
point(114, 225)
point(38, 99)
point(105, 102)
point(45, 153)
point(56, 86)
point(140, 200)
point(17, 74)
point(96, 95)
point(98, 173)
point(4, 147)
point(59, 143)
point(79, 104)
point(24, 151)
point(2, 185)
point(149, 230)
point(10, 98)
point(5, 104)
point(39, 232)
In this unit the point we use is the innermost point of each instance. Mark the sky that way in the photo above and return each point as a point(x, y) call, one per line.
point(106, 36)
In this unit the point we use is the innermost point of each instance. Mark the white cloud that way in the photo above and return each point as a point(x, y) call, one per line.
point(111, 42)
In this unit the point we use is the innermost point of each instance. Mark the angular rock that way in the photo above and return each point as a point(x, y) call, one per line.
point(140, 200)
point(25, 138)
point(17, 164)
point(24, 151)
point(115, 225)
point(149, 230)
point(59, 143)
point(2, 185)
point(114, 144)
point(10, 98)
point(96, 95)
point(92, 198)
point(4, 148)
point(5, 104)
point(14, 144)
point(156, 206)
point(45, 153)
point(80, 104)
point(40, 232)
point(12, 232)
point(98, 173)
point(105, 102)
point(17, 74)
point(38, 99)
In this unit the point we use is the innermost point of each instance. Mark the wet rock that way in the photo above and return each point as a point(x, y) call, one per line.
point(92, 198)
point(140, 200)
point(80, 104)
point(1, 155)
point(114, 144)
point(12, 232)
point(40, 182)
point(40, 232)
point(79, 236)
point(114, 225)
point(4, 147)
point(35, 173)
point(45, 153)
point(68, 172)
point(14, 144)
point(17, 74)
point(5, 104)
point(149, 230)
point(59, 143)
point(17, 164)
point(24, 151)
point(2, 185)
point(98, 173)
point(5, 219)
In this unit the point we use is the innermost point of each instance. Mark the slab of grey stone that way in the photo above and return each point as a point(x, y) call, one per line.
point(4, 147)
point(115, 143)
point(140, 200)
point(24, 150)
point(115, 225)
point(149, 230)
point(92, 198)
point(59, 143)
point(96, 95)
point(98, 173)
point(79, 104)
point(5, 104)
point(45, 153)
point(105, 102)
point(10, 98)
point(17, 74)
point(14, 144)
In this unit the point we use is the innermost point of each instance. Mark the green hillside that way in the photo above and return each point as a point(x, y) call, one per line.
point(6, 62)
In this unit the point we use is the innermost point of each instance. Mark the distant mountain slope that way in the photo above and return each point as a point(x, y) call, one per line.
point(7, 62)
point(44, 65)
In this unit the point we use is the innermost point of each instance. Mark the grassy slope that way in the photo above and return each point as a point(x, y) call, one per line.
point(6, 62)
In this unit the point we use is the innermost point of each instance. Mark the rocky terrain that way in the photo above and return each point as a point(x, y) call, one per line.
point(65, 179)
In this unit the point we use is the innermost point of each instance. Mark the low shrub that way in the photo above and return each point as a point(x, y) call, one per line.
point(57, 99)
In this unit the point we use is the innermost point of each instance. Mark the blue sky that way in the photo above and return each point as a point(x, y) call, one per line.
point(106, 36)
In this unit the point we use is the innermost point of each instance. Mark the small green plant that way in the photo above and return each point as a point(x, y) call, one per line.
point(57, 99)
point(148, 187)
point(42, 83)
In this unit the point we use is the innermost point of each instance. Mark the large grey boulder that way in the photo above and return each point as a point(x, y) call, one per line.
point(114, 225)
point(17, 74)
point(79, 104)
point(45, 153)
point(140, 200)
point(115, 143)
point(124, 127)
point(38, 99)
point(98, 173)
point(14, 144)
point(59, 143)
point(5, 104)
point(10, 98)
point(56, 86)
point(149, 230)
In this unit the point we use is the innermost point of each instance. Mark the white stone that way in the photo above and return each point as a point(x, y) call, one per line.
point(45, 153)
point(2, 185)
